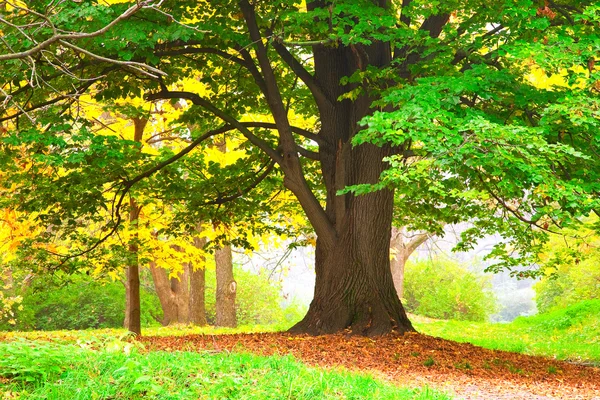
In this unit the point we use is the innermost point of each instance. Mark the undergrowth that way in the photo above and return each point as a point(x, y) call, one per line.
point(109, 368)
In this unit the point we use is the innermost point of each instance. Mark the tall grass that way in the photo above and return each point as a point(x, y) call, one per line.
point(571, 334)
point(118, 370)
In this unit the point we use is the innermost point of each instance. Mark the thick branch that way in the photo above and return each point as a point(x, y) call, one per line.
point(309, 80)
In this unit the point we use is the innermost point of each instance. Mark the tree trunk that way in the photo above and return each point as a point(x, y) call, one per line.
point(402, 246)
point(171, 294)
point(132, 283)
point(197, 301)
point(226, 289)
point(354, 286)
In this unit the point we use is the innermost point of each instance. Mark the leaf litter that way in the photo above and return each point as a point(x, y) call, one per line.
point(460, 369)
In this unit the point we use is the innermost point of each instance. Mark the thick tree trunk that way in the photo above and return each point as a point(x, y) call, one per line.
point(197, 299)
point(226, 288)
point(173, 294)
point(354, 286)
point(402, 246)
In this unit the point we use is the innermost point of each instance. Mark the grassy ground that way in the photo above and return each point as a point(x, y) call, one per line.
point(106, 367)
point(571, 334)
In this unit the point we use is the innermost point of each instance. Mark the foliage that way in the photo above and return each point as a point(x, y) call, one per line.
point(502, 125)
point(570, 262)
point(566, 334)
point(443, 289)
point(116, 370)
point(258, 300)
point(488, 113)
point(81, 303)
point(84, 303)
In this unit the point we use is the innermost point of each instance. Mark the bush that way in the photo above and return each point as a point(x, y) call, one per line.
point(87, 304)
point(570, 264)
point(572, 282)
point(80, 304)
point(442, 289)
point(258, 300)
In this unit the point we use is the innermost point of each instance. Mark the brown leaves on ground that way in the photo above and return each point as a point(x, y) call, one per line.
point(461, 369)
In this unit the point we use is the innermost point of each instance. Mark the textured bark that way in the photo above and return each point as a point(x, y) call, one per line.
point(197, 300)
point(172, 294)
point(354, 286)
point(226, 288)
point(402, 246)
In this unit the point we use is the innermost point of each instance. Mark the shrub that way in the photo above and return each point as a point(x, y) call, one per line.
point(572, 282)
point(258, 300)
point(88, 304)
point(443, 289)
point(80, 304)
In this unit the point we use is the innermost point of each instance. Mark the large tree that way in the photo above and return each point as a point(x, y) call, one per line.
point(441, 88)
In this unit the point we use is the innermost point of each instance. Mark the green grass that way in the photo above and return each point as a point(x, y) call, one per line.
point(571, 334)
point(113, 369)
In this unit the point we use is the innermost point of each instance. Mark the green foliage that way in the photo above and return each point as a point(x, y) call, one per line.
point(443, 289)
point(86, 304)
point(79, 304)
point(258, 301)
point(117, 370)
point(572, 333)
point(571, 266)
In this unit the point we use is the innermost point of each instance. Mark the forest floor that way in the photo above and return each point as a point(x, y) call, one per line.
point(459, 369)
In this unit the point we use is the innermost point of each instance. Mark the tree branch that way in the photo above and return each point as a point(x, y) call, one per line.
point(320, 97)
point(76, 35)
point(199, 101)
point(242, 192)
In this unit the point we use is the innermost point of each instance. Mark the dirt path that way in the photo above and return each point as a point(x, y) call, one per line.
point(461, 369)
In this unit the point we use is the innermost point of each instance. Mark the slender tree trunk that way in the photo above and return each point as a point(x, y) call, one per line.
point(132, 284)
point(197, 301)
point(402, 246)
point(226, 284)
point(226, 288)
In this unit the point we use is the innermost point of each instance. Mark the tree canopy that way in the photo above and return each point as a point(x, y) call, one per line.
point(467, 110)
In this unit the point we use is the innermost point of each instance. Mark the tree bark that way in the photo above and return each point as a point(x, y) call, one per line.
point(172, 294)
point(197, 300)
point(354, 286)
point(132, 283)
point(132, 320)
point(226, 289)
point(402, 246)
